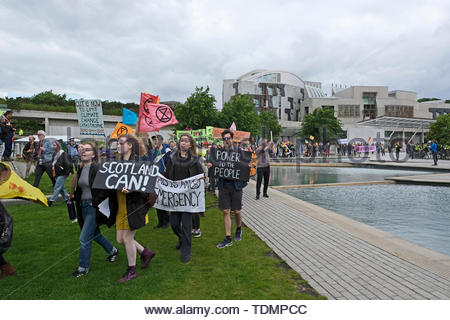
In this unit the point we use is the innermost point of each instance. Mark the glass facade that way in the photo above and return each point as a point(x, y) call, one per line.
point(348, 111)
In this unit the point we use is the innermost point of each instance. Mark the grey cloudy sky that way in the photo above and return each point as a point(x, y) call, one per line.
point(114, 49)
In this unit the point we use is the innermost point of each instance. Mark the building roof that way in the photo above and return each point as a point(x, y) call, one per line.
point(383, 121)
point(313, 92)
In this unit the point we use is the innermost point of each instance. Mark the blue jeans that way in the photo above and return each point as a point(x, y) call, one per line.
point(59, 188)
point(90, 232)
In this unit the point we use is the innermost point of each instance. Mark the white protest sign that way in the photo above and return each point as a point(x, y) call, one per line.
point(90, 117)
point(186, 195)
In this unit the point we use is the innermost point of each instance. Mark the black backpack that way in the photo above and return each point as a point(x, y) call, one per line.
point(6, 229)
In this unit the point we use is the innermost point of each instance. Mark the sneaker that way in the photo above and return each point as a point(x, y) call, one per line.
point(74, 220)
point(225, 243)
point(130, 274)
point(113, 256)
point(197, 233)
point(238, 235)
point(146, 256)
point(78, 273)
point(185, 259)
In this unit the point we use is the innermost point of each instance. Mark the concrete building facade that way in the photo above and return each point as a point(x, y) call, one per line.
point(292, 98)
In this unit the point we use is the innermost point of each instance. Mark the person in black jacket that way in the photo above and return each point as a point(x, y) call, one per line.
point(61, 168)
point(87, 216)
point(128, 210)
point(6, 231)
point(183, 164)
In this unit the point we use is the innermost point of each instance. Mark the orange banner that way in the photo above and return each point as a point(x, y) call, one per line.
point(238, 135)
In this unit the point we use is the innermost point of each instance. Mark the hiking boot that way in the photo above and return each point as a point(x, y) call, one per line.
point(79, 273)
point(146, 256)
point(7, 270)
point(238, 235)
point(113, 256)
point(130, 274)
point(225, 243)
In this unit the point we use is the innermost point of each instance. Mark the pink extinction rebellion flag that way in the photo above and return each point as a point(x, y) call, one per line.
point(153, 116)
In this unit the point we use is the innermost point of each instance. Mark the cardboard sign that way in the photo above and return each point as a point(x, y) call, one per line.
point(90, 117)
point(186, 195)
point(232, 164)
point(134, 176)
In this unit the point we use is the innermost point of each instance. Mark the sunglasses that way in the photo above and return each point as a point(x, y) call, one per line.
point(226, 138)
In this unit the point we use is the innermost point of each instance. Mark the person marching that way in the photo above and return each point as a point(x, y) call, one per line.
point(128, 210)
point(29, 154)
point(62, 167)
point(86, 212)
point(182, 164)
point(263, 167)
point(159, 155)
point(230, 197)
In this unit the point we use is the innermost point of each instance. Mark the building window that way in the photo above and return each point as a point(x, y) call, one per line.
point(348, 111)
point(328, 107)
point(399, 111)
point(306, 110)
point(370, 105)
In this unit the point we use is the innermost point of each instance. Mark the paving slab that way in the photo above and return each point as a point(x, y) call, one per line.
point(342, 258)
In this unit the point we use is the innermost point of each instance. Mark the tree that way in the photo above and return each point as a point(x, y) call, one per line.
point(240, 110)
point(322, 125)
point(50, 98)
point(269, 122)
point(198, 111)
point(440, 130)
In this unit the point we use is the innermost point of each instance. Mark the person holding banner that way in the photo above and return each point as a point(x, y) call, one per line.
point(183, 164)
point(159, 155)
point(230, 196)
point(128, 210)
point(86, 212)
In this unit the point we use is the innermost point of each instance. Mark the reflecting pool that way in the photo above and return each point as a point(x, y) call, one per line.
point(282, 176)
point(420, 214)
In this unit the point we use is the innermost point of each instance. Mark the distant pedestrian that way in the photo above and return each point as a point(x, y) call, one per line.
point(45, 153)
point(434, 150)
point(263, 167)
point(29, 154)
point(7, 134)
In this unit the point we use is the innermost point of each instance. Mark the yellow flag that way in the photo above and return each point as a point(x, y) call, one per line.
point(15, 187)
point(121, 129)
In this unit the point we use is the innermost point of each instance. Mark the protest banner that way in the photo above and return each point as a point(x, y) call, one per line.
point(121, 129)
point(134, 176)
point(186, 195)
point(366, 149)
point(239, 136)
point(90, 117)
point(153, 116)
point(231, 165)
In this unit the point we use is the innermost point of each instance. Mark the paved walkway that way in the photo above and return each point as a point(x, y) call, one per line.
point(342, 258)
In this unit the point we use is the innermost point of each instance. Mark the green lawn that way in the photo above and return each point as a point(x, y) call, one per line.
point(45, 252)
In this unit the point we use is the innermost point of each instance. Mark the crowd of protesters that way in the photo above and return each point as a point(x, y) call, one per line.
point(176, 161)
